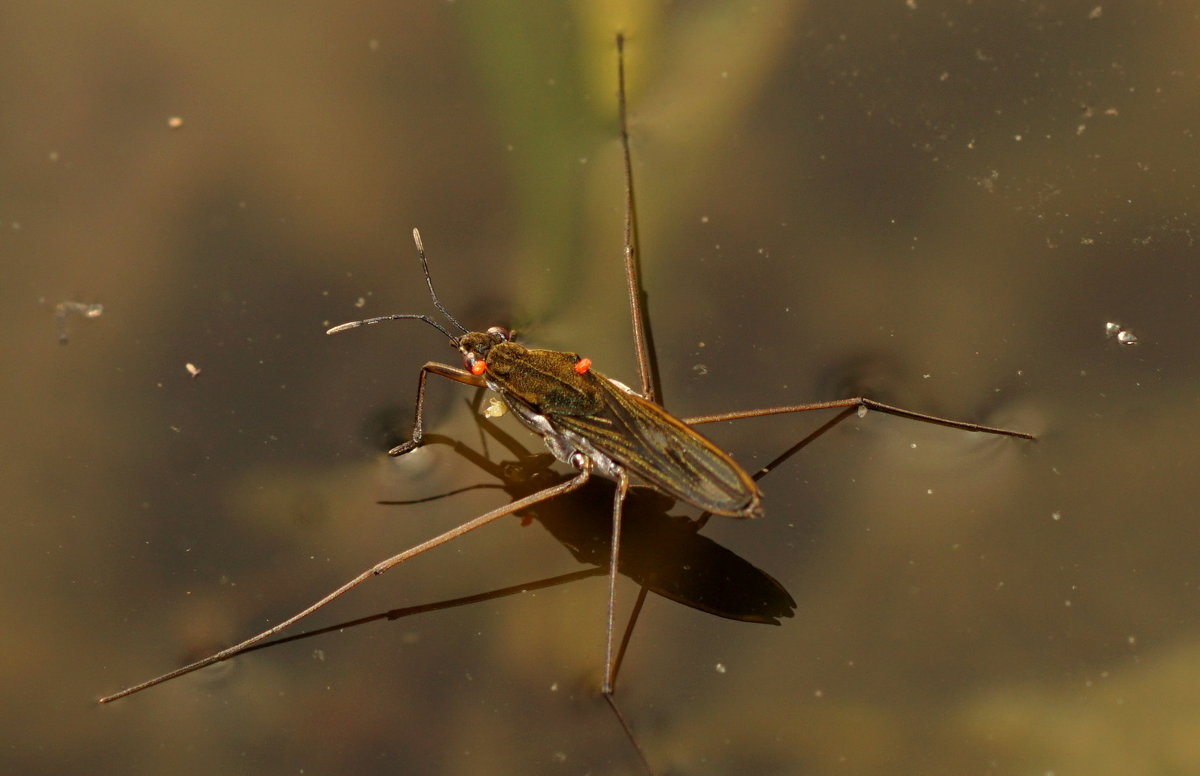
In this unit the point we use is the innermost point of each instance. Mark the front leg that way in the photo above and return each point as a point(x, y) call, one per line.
point(442, 370)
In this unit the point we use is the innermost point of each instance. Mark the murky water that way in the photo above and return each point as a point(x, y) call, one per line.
point(940, 205)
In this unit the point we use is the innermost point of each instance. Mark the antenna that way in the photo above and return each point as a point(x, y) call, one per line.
point(429, 281)
point(437, 303)
point(397, 316)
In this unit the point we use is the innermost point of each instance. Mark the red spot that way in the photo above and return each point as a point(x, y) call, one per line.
point(478, 368)
point(582, 365)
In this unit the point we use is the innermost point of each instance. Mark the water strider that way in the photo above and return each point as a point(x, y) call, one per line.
point(590, 422)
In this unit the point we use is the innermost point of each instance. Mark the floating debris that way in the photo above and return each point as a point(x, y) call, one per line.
point(1124, 336)
point(63, 309)
point(175, 122)
point(192, 369)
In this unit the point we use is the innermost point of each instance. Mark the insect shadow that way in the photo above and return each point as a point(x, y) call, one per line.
point(663, 553)
point(594, 424)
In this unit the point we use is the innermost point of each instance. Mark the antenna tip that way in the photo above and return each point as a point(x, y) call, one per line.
point(417, 239)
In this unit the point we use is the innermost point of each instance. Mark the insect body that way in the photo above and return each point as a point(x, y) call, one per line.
point(579, 411)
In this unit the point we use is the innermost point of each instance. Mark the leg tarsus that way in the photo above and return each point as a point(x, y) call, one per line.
point(441, 370)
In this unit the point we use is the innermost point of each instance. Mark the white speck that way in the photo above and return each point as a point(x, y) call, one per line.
point(1096, 12)
point(554, 687)
point(1123, 335)
point(862, 410)
point(360, 302)
point(720, 668)
point(175, 122)
point(1056, 515)
point(192, 369)
point(64, 309)
point(319, 655)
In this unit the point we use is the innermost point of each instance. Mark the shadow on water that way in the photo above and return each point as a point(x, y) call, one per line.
point(662, 552)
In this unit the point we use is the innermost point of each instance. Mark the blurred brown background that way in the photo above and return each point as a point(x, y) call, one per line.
point(938, 203)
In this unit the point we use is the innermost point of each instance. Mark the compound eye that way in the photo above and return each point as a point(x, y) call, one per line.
point(499, 334)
